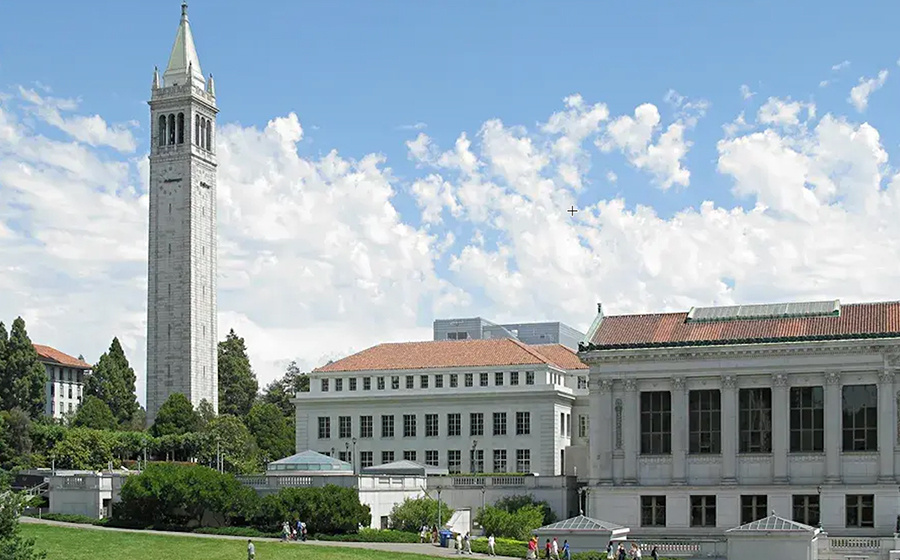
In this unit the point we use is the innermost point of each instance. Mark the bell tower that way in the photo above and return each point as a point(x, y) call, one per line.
point(181, 290)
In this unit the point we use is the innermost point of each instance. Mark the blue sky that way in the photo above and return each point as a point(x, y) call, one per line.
point(369, 77)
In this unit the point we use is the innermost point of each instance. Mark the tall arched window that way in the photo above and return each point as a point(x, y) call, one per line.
point(202, 132)
point(196, 130)
point(171, 129)
point(162, 130)
point(181, 128)
point(209, 145)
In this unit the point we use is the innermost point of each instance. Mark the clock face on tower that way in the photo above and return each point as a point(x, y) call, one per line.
point(170, 180)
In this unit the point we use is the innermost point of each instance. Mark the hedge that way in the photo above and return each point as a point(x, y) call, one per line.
point(372, 535)
point(502, 547)
point(237, 532)
point(74, 518)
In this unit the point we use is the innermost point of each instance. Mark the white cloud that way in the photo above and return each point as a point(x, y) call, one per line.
point(746, 93)
point(823, 83)
point(611, 177)
point(859, 95)
point(840, 66)
point(783, 112)
point(416, 126)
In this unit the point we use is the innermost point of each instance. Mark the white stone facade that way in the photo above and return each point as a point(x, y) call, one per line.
point(828, 455)
point(181, 295)
point(64, 390)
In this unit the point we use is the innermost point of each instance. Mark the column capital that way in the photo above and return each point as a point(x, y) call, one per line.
point(602, 385)
point(678, 383)
point(833, 378)
point(779, 380)
point(729, 382)
point(630, 385)
point(886, 376)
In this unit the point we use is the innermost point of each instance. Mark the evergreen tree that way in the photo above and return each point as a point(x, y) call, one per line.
point(237, 382)
point(94, 413)
point(24, 378)
point(273, 431)
point(176, 416)
point(112, 381)
point(5, 383)
point(280, 391)
point(206, 412)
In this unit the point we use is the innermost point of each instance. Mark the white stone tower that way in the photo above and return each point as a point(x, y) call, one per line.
point(181, 294)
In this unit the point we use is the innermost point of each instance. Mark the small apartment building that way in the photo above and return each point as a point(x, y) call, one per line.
point(470, 406)
point(65, 380)
point(529, 333)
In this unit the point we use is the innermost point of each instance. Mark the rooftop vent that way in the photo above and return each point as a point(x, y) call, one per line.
point(765, 311)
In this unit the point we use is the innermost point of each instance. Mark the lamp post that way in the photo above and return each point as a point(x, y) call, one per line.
point(353, 457)
point(347, 453)
point(332, 452)
point(439, 508)
point(472, 455)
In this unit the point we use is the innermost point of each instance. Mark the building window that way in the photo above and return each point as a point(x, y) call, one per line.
point(344, 427)
point(387, 457)
point(860, 510)
point(431, 458)
point(807, 419)
point(523, 423)
point(523, 460)
point(367, 383)
point(806, 509)
point(352, 386)
point(70, 391)
point(431, 425)
point(499, 460)
point(582, 425)
point(365, 459)
point(656, 422)
point(483, 379)
point(754, 507)
point(454, 380)
point(860, 407)
point(324, 427)
point(476, 460)
point(409, 455)
point(514, 378)
point(365, 426)
point(423, 381)
point(705, 421)
point(410, 382)
point(387, 426)
point(703, 511)
point(582, 382)
point(499, 423)
point(161, 130)
point(498, 378)
point(344, 455)
point(457, 335)
point(755, 420)
point(395, 382)
point(380, 383)
point(529, 378)
point(476, 424)
point(454, 424)
point(338, 384)
point(409, 425)
point(454, 461)
point(653, 511)
point(438, 381)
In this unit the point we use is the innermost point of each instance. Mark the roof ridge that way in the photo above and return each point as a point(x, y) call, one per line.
point(531, 350)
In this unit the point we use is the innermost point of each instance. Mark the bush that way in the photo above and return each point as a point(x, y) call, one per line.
point(330, 509)
point(411, 514)
point(517, 525)
point(503, 547)
point(513, 504)
point(372, 535)
point(237, 532)
point(74, 518)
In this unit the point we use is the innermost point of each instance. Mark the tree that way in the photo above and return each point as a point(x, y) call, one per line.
point(502, 523)
point(94, 413)
point(5, 385)
point(237, 382)
point(330, 510)
point(280, 391)
point(230, 437)
point(84, 448)
point(112, 381)
point(13, 545)
point(138, 421)
point(514, 503)
point(273, 432)
point(206, 412)
point(15, 438)
point(411, 514)
point(176, 416)
point(24, 378)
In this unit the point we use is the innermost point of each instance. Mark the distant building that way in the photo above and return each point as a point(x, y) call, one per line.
point(65, 380)
point(477, 328)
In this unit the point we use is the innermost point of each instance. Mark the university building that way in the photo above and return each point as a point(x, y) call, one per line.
point(65, 380)
point(705, 420)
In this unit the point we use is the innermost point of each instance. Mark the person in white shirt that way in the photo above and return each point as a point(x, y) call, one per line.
point(459, 549)
point(491, 545)
point(554, 549)
point(251, 550)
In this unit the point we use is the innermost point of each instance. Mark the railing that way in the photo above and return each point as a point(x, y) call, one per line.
point(463, 481)
point(293, 481)
point(74, 482)
point(507, 481)
point(494, 481)
point(854, 543)
point(672, 548)
point(39, 490)
point(253, 480)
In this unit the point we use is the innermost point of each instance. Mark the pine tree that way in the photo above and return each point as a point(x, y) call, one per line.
point(280, 391)
point(5, 380)
point(112, 381)
point(24, 377)
point(237, 382)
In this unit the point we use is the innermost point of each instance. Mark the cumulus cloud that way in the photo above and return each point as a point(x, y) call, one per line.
point(859, 95)
point(746, 93)
point(840, 66)
point(784, 112)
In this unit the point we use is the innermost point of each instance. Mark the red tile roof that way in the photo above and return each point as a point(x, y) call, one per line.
point(51, 355)
point(855, 321)
point(455, 353)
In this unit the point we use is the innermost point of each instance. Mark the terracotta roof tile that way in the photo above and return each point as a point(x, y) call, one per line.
point(52, 355)
point(859, 320)
point(454, 353)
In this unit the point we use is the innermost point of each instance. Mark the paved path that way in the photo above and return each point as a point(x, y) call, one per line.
point(413, 548)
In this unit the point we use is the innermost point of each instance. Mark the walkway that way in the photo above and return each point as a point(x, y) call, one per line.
point(412, 548)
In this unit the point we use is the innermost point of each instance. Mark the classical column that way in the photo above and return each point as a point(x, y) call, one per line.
point(729, 429)
point(679, 430)
point(833, 437)
point(780, 427)
point(601, 431)
point(886, 426)
point(632, 431)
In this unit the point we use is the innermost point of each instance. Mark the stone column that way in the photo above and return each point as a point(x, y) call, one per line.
point(729, 429)
point(679, 430)
point(601, 431)
point(833, 436)
point(780, 427)
point(631, 431)
point(887, 426)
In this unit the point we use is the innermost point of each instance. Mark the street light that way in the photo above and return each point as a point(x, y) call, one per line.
point(439, 508)
point(472, 455)
point(353, 457)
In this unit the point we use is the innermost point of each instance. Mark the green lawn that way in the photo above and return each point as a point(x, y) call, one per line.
point(63, 543)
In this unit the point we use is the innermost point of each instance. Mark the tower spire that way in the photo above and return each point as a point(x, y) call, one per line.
point(155, 77)
point(184, 64)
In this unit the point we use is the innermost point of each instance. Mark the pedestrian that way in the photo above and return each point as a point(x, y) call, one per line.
point(251, 550)
point(610, 551)
point(621, 552)
point(532, 549)
point(566, 554)
point(468, 544)
point(654, 554)
point(303, 538)
point(547, 550)
point(285, 531)
point(459, 549)
point(554, 549)
point(491, 545)
point(636, 551)
point(299, 530)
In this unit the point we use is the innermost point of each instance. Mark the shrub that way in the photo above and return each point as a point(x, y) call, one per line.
point(411, 514)
point(236, 532)
point(74, 518)
point(513, 504)
point(517, 525)
point(503, 547)
point(330, 509)
point(373, 535)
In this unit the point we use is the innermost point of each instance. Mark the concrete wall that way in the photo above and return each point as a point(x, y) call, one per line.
point(82, 495)
point(469, 492)
point(772, 545)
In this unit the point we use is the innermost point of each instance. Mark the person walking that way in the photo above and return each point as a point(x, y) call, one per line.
point(566, 554)
point(251, 550)
point(491, 545)
point(459, 549)
point(636, 551)
point(654, 554)
point(554, 549)
point(532, 549)
point(468, 540)
point(610, 551)
point(547, 550)
point(621, 552)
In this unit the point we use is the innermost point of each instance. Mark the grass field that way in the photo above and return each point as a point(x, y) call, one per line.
point(63, 543)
